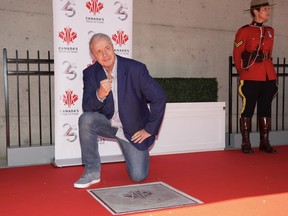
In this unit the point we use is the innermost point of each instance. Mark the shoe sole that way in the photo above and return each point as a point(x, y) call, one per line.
point(86, 185)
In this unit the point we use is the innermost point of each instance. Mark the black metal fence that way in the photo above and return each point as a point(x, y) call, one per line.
point(29, 104)
point(279, 104)
point(29, 82)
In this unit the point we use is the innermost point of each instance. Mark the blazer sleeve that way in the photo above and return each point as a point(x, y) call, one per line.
point(156, 98)
point(90, 103)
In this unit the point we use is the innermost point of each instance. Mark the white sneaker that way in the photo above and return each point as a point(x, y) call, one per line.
point(87, 179)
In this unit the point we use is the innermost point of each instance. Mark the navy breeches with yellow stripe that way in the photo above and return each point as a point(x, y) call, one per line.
point(257, 92)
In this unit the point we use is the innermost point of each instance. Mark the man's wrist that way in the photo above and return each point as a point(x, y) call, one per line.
point(102, 100)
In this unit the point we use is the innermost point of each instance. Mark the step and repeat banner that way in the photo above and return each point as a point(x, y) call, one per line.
point(75, 21)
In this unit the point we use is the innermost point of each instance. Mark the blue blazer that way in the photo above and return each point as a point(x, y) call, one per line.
point(136, 89)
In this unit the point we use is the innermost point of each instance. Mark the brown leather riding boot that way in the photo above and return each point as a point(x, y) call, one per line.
point(245, 128)
point(264, 127)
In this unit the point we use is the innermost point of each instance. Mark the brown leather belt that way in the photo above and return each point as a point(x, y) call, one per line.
point(257, 56)
point(262, 56)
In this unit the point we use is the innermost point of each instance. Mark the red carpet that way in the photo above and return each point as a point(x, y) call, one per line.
point(228, 182)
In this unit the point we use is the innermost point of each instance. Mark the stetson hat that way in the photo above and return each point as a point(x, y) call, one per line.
point(259, 3)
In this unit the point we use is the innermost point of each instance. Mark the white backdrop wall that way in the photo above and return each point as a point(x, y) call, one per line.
point(74, 24)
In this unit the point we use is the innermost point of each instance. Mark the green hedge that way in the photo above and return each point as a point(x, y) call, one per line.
point(189, 89)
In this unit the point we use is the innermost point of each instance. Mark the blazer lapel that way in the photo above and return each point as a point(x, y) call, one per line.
point(100, 73)
point(121, 79)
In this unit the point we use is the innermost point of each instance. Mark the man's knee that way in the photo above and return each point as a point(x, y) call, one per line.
point(138, 175)
point(88, 119)
point(85, 119)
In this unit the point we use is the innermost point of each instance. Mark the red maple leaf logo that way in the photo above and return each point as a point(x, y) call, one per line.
point(94, 6)
point(67, 35)
point(69, 98)
point(120, 38)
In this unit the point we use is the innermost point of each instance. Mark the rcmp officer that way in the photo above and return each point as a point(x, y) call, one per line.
point(253, 60)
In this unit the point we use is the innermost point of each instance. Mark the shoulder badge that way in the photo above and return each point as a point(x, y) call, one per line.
point(238, 44)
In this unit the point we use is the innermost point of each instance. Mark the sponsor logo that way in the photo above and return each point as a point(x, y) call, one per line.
point(67, 35)
point(94, 7)
point(122, 52)
point(69, 98)
point(68, 49)
point(121, 11)
point(120, 38)
point(70, 135)
point(69, 8)
point(69, 70)
point(94, 20)
point(69, 112)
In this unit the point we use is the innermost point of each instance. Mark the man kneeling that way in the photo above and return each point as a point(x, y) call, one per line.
point(116, 95)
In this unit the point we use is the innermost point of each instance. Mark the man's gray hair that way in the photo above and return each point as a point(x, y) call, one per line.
point(97, 37)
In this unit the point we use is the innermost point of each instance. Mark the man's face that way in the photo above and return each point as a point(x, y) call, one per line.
point(103, 52)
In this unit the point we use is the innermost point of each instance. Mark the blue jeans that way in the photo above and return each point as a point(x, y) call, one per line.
point(94, 124)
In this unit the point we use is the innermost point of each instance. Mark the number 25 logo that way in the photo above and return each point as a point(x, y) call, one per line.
point(121, 11)
point(69, 8)
point(71, 136)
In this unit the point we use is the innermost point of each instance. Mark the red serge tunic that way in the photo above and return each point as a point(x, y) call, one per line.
point(248, 38)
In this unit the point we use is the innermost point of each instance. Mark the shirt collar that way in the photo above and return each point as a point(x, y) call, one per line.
point(256, 23)
point(114, 70)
